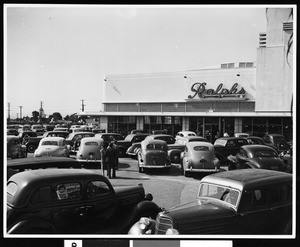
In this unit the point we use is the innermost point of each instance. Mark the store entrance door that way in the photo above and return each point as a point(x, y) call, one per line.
point(211, 132)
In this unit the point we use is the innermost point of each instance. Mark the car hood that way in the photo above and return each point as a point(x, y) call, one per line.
point(270, 163)
point(187, 218)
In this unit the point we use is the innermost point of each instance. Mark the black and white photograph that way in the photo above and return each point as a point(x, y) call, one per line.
point(143, 122)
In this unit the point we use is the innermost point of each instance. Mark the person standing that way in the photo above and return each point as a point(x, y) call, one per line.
point(110, 161)
point(103, 152)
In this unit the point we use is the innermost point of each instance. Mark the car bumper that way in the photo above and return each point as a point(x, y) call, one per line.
point(202, 170)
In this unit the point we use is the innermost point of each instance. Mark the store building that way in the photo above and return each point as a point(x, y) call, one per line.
point(253, 97)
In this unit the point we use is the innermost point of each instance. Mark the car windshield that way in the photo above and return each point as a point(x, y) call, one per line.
point(51, 143)
point(218, 192)
point(221, 142)
point(264, 153)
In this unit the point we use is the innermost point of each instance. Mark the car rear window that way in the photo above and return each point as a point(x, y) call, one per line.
point(91, 144)
point(51, 143)
point(220, 142)
point(201, 148)
point(265, 153)
point(155, 147)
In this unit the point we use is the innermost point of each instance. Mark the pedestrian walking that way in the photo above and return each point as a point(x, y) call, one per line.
point(103, 152)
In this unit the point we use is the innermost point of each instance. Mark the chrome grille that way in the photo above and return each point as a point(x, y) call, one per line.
point(163, 223)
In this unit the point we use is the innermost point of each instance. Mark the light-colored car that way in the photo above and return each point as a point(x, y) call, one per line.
point(186, 139)
point(52, 146)
point(245, 135)
point(153, 154)
point(199, 157)
point(89, 149)
point(184, 133)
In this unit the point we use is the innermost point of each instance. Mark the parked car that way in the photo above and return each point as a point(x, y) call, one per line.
point(184, 133)
point(225, 146)
point(108, 137)
point(174, 152)
point(257, 157)
point(199, 157)
point(164, 137)
point(156, 132)
point(137, 131)
point(251, 201)
point(255, 140)
point(132, 151)
point(36, 127)
point(60, 129)
point(153, 154)
point(12, 132)
point(52, 146)
point(123, 145)
point(89, 151)
point(277, 141)
point(73, 139)
point(15, 149)
point(33, 163)
point(73, 201)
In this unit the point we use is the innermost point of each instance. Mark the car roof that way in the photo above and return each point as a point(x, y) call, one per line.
point(11, 137)
point(244, 179)
point(52, 138)
point(91, 139)
point(194, 144)
point(257, 147)
point(158, 135)
point(153, 141)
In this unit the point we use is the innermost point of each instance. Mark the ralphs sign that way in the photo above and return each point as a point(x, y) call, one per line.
point(199, 89)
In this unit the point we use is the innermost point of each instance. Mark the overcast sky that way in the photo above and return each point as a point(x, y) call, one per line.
point(59, 55)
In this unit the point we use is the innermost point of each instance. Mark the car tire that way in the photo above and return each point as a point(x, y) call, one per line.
point(31, 148)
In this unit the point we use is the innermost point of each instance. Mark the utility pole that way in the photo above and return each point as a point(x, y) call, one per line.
point(20, 113)
point(82, 105)
point(8, 110)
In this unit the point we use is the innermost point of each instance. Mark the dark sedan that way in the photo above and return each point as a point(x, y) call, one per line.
point(257, 157)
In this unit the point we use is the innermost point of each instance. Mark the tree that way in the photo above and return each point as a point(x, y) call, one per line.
point(56, 116)
point(35, 116)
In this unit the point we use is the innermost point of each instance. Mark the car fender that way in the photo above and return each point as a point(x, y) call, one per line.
point(31, 224)
point(147, 209)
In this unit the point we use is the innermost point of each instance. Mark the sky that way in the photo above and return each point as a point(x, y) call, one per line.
point(58, 55)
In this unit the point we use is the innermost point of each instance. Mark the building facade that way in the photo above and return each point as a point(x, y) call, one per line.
point(253, 97)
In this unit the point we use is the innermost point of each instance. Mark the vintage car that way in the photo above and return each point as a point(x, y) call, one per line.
point(164, 137)
point(199, 157)
point(225, 146)
point(108, 137)
point(132, 151)
point(15, 149)
point(184, 133)
point(255, 140)
point(153, 154)
point(130, 139)
point(73, 139)
point(52, 146)
point(63, 134)
point(12, 132)
point(277, 141)
point(32, 163)
point(89, 151)
point(257, 157)
point(73, 201)
point(251, 201)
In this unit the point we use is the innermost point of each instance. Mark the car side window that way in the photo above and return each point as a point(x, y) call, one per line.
point(253, 200)
point(68, 191)
point(42, 195)
point(97, 188)
point(243, 153)
point(280, 194)
point(230, 143)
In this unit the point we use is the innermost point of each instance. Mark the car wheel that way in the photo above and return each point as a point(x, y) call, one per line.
point(31, 148)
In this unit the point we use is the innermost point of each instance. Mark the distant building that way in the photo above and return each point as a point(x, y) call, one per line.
point(247, 96)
